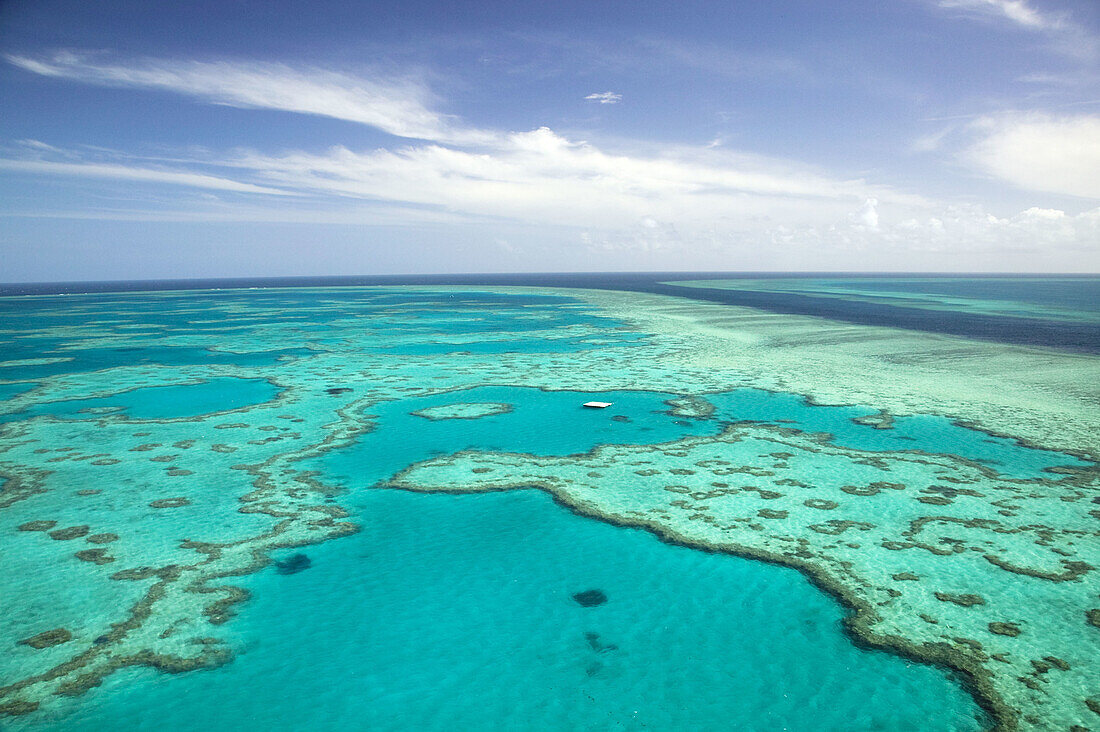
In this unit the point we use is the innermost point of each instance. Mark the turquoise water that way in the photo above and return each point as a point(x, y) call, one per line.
point(94, 359)
point(927, 433)
point(456, 612)
point(160, 402)
point(73, 327)
point(540, 423)
point(444, 611)
point(530, 345)
point(7, 391)
point(551, 423)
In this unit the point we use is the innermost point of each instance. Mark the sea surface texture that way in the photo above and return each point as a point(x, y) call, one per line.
point(1063, 299)
point(386, 508)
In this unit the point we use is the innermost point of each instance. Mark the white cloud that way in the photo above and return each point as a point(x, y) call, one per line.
point(1017, 11)
point(534, 178)
point(213, 209)
point(1041, 153)
point(605, 97)
point(959, 231)
point(932, 141)
point(128, 173)
point(1068, 37)
point(38, 148)
point(707, 210)
point(867, 216)
point(399, 107)
point(543, 178)
point(1048, 79)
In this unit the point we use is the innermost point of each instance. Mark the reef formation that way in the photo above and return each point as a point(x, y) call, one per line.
point(144, 484)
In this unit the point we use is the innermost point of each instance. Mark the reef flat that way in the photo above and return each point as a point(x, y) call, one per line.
point(158, 455)
point(463, 410)
point(1043, 396)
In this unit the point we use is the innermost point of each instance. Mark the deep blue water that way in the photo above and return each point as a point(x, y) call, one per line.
point(1068, 291)
point(1073, 292)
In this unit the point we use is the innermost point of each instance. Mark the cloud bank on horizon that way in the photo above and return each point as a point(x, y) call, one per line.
point(486, 156)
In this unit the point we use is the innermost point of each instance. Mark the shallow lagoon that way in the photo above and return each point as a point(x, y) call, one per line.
point(542, 422)
point(926, 433)
point(536, 421)
point(456, 612)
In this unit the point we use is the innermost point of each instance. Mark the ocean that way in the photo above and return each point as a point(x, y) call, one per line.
point(378, 503)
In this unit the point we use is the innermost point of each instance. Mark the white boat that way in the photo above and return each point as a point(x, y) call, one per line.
point(597, 405)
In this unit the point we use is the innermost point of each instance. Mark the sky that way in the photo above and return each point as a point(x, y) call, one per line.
point(153, 139)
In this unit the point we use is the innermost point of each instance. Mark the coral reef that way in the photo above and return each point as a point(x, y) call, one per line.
point(293, 564)
point(590, 598)
point(48, 638)
point(938, 556)
point(177, 502)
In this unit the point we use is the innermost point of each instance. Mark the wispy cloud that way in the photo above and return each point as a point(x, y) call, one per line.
point(536, 178)
point(605, 97)
point(1066, 36)
point(400, 107)
point(713, 58)
point(137, 174)
point(218, 211)
point(1016, 11)
point(700, 203)
point(932, 141)
point(37, 148)
point(540, 177)
point(1040, 153)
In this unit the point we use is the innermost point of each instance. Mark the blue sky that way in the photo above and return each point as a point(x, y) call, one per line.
point(165, 139)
